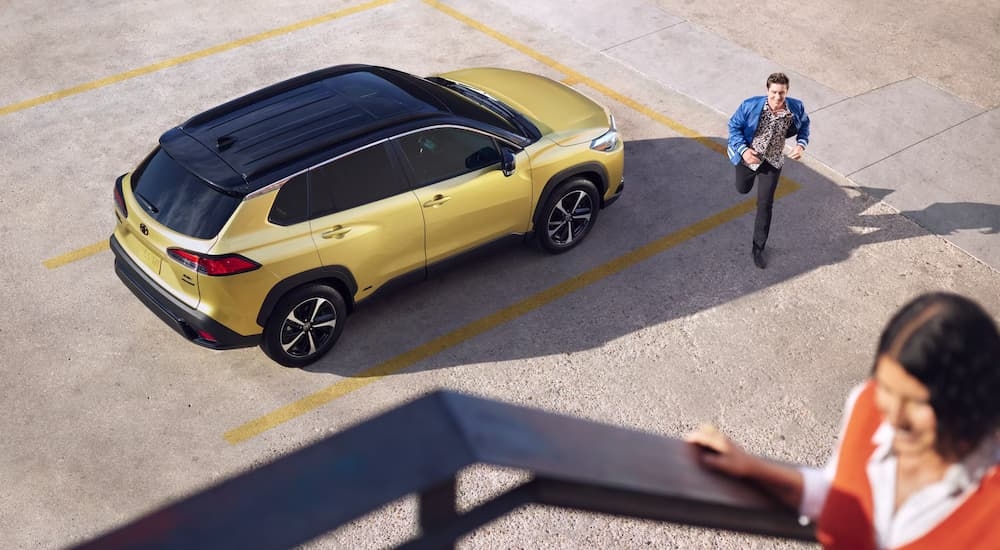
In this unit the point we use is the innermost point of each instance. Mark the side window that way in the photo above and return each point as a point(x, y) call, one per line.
point(441, 153)
point(359, 178)
point(290, 205)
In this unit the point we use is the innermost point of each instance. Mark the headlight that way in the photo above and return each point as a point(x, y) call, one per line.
point(608, 141)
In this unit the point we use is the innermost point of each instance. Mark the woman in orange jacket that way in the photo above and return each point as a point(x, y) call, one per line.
point(916, 463)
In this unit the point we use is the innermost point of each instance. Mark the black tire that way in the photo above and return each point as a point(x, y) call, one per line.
point(304, 325)
point(568, 215)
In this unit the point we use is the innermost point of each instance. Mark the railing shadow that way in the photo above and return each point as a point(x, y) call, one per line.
point(420, 447)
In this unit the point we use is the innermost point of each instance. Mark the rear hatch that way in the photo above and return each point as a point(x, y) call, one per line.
point(168, 207)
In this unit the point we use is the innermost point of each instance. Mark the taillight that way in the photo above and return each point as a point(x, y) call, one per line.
point(216, 266)
point(119, 198)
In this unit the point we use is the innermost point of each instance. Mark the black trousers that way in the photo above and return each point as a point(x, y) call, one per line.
point(767, 184)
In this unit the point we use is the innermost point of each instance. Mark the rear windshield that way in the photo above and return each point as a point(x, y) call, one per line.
point(180, 200)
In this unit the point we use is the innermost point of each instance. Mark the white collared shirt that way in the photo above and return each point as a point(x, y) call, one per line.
point(924, 509)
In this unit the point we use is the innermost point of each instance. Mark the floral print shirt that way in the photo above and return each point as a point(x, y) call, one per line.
point(769, 141)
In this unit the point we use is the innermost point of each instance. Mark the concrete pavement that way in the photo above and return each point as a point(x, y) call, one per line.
point(108, 413)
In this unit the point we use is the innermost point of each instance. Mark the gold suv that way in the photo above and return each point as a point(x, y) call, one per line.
point(265, 220)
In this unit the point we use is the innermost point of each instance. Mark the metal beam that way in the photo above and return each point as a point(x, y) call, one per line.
point(420, 447)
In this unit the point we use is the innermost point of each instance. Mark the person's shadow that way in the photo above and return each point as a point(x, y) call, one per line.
point(673, 185)
point(949, 218)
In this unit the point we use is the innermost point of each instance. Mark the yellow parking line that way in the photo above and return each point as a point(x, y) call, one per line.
point(79, 254)
point(573, 76)
point(15, 107)
point(429, 349)
point(480, 326)
point(92, 249)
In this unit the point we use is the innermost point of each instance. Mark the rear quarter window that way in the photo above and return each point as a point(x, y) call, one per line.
point(180, 200)
point(290, 206)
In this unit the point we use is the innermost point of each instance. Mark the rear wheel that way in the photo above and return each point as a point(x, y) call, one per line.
point(304, 325)
point(568, 215)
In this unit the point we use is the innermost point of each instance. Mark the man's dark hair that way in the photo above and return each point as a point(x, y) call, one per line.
point(951, 345)
point(777, 78)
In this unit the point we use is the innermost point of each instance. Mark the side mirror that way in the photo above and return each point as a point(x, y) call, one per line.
point(507, 162)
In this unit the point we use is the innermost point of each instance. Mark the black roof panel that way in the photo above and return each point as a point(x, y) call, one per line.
point(258, 134)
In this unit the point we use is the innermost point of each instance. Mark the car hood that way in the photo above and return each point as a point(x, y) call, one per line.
point(561, 113)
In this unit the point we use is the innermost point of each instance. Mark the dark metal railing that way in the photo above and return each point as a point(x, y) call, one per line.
point(420, 448)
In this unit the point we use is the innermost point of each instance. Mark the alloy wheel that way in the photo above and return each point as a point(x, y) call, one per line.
point(570, 217)
point(308, 326)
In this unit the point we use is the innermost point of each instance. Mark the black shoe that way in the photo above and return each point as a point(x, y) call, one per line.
point(758, 257)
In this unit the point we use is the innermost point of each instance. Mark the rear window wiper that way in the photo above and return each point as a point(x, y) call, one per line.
point(146, 204)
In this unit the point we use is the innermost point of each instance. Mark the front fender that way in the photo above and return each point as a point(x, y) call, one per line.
point(592, 171)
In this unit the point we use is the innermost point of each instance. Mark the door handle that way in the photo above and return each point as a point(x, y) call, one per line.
point(337, 232)
point(438, 200)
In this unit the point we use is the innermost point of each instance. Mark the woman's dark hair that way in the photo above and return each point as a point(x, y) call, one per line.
point(952, 346)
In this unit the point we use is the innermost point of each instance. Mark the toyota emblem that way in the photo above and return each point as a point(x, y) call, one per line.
point(144, 229)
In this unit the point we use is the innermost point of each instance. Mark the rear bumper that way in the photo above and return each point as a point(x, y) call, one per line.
point(188, 322)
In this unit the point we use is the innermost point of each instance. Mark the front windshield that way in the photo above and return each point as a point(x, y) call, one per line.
point(488, 109)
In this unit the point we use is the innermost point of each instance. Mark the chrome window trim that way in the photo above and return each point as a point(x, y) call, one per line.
point(460, 127)
point(278, 184)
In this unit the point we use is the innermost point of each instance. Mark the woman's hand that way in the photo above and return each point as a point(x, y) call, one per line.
point(796, 152)
point(718, 452)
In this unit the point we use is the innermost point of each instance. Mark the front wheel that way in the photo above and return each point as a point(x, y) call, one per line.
point(568, 215)
point(304, 325)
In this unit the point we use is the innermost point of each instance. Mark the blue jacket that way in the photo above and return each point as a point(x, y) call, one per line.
point(743, 125)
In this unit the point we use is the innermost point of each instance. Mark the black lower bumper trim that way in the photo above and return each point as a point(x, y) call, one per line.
point(187, 321)
point(617, 195)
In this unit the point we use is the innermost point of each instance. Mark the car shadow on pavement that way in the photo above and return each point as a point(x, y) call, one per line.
point(671, 184)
